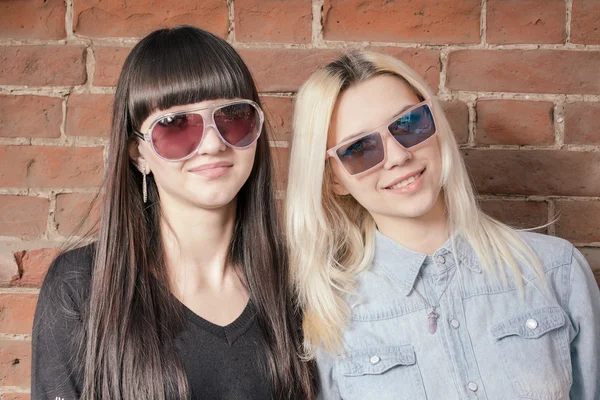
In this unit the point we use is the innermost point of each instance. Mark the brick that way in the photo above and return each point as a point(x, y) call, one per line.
point(275, 21)
point(89, 115)
point(114, 18)
point(515, 122)
point(15, 363)
point(457, 114)
point(71, 208)
point(526, 21)
point(8, 267)
point(425, 62)
point(33, 265)
point(524, 71)
point(284, 70)
point(579, 221)
point(23, 216)
point(406, 21)
point(278, 116)
point(16, 312)
point(33, 19)
point(49, 65)
point(534, 172)
point(50, 166)
point(109, 61)
point(30, 116)
point(520, 214)
point(584, 22)
point(15, 396)
point(581, 123)
point(281, 160)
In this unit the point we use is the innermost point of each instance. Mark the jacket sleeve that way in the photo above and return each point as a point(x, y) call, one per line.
point(583, 308)
point(328, 388)
point(55, 371)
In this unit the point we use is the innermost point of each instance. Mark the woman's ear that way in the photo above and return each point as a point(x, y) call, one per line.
point(338, 187)
point(136, 156)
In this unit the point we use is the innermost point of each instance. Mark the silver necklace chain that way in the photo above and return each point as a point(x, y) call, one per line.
point(432, 316)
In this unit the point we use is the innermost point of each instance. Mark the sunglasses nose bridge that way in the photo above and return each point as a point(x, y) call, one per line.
point(394, 152)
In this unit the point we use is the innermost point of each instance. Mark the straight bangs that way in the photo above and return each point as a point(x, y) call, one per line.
point(184, 65)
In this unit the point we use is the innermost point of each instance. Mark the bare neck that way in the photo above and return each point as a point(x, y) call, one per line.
point(197, 243)
point(424, 234)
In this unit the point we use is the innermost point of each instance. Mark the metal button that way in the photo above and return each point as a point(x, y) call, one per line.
point(531, 323)
point(374, 360)
point(440, 259)
point(454, 323)
point(472, 386)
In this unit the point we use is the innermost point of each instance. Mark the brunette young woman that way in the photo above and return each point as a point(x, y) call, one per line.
point(409, 290)
point(184, 293)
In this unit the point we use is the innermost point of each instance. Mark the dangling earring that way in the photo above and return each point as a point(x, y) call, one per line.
point(144, 185)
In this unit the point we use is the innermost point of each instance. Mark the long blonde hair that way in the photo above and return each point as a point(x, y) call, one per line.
point(332, 238)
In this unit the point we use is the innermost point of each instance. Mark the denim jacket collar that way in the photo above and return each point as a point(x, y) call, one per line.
point(388, 253)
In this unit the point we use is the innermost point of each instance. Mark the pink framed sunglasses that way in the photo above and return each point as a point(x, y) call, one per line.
point(176, 136)
point(366, 151)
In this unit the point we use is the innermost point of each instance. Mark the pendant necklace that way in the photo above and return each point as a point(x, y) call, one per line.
point(432, 316)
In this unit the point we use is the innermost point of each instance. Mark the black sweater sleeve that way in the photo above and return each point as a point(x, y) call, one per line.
point(56, 357)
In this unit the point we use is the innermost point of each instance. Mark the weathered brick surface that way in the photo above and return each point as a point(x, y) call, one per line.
point(89, 115)
point(271, 21)
point(426, 62)
point(515, 122)
point(50, 166)
point(519, 214)
point(525, 21)
point(584, 22)
point(16, 312)
point(29, 19)
point(579, 220)
point(284, 70)
point(278, 114)
point(23, 216)
point(33, 265)
point(109, 61)
point(582, 120)
point(402, 21)
point(15, 362)
point(8, 267)
point(458, 116)
point(51, 65)
point(534, 172)
point(30, 116)
point(75, 214)
point(524, 71)
point(113, 18)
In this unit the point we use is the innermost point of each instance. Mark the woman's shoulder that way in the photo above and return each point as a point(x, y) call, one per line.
point(552, 251)
point(70, 274)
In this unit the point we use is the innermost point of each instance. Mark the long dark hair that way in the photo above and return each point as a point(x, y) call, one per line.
point(127, 343)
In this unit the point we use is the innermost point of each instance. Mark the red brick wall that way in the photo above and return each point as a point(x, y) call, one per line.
point(519, 79)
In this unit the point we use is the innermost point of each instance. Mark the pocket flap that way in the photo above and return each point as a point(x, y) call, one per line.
point(531, 324)
point(376, 360)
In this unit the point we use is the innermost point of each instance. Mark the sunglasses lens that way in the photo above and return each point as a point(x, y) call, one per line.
point(239, 124)
point(362, 154)
point(414, 127)
point(177, 136)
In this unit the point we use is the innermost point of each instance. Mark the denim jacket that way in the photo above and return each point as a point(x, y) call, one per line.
point(487, 342)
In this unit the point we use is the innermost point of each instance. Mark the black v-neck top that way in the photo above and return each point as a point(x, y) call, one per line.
point(221, 362)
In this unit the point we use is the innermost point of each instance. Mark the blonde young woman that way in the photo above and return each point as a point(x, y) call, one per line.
point(409, 290)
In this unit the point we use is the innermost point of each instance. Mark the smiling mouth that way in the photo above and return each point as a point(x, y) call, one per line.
point(407, 181)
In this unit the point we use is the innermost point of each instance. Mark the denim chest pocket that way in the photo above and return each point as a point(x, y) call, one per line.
point(380, 373)
point(534, 349)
